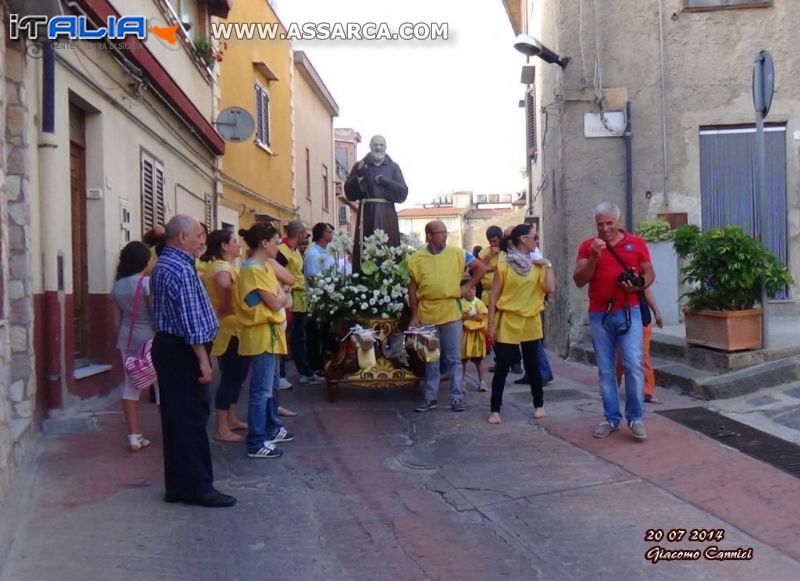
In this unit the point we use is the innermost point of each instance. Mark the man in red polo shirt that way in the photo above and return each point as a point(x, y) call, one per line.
point(614, 315)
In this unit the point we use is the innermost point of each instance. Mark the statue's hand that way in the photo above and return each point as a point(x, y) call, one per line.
point(380, 180)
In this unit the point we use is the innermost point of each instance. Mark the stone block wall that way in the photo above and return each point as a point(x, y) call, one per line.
point(17, 381)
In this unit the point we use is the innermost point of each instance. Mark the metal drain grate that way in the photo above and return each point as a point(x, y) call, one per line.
point(779, 453)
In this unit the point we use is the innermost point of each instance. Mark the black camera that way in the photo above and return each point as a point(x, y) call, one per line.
point(636, 280)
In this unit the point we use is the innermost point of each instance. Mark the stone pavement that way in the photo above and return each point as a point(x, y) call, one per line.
point(371, 490)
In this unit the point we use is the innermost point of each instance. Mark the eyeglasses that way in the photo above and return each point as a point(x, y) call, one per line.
point(439, 232)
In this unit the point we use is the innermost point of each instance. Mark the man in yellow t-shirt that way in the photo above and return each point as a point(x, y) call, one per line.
point(489, 257)
point(434, 295)
point(289, 256)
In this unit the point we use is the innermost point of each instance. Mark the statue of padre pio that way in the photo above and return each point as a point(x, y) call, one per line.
point(377, 182)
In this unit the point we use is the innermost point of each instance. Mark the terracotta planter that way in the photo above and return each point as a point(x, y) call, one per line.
point(725, 330)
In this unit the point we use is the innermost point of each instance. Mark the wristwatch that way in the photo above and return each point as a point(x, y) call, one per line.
point(548, 264)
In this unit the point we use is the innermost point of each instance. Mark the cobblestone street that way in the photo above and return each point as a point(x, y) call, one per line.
point(371, 490)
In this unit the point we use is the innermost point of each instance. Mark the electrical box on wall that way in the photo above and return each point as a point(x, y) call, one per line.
point(611, 124)
point(124, 222)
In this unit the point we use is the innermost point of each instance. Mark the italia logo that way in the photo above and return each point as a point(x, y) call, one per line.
point(37, 27)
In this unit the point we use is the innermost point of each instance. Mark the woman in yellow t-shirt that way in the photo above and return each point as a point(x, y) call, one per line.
point(221, 279)
point(259, 303)
point(518, 291)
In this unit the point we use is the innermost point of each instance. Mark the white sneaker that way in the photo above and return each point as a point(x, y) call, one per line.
point(482, 386)
point(284, 383)
point(281, 436)
point(313, 378)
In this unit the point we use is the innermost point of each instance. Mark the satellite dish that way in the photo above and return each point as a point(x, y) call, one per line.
point(235, 124)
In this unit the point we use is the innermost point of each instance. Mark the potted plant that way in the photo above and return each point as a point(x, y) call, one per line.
point(726, 267)
point(205, 52)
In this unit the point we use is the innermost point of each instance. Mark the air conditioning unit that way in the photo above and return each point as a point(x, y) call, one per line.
point(344, 214)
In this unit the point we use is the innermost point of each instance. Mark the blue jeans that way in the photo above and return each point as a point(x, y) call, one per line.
point(544, 364)
point(605, 339)
point(450, 349)
point(262, 412)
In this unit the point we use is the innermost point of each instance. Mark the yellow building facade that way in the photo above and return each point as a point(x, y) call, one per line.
point(257, 75)
point(315, 109)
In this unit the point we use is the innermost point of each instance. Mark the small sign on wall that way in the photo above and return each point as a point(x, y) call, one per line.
point(610, 124)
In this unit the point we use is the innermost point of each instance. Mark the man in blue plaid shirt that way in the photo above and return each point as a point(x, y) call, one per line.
point(185, 326)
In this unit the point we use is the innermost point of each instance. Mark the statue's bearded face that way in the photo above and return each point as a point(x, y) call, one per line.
point(378, 148)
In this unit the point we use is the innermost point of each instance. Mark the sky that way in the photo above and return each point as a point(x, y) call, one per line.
point(448, 108)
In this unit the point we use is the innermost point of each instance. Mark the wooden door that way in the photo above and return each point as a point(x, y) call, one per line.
point(80, 271)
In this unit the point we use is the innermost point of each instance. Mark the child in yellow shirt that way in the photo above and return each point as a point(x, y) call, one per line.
point(259, 304)
point(473, 343)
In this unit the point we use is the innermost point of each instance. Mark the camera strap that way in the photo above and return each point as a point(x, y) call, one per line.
point(613, 252)
point(613, 297)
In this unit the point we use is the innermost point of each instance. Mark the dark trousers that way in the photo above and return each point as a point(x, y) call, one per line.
point(316, 339)
point(297, 344)
point(234, 369)
point(504, 354)
point(516, 358)
point(184, 415)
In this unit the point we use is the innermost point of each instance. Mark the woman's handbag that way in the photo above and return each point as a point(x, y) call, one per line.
point(139, 368)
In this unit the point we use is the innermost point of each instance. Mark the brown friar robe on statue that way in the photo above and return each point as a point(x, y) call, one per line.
point(376, 210)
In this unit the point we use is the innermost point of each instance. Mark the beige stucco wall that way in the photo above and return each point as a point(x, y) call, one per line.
point(708, 58)
point(118, 125)
point(313, 130)
point(190, 76)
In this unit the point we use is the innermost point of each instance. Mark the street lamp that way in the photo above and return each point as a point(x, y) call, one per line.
point(530, 46)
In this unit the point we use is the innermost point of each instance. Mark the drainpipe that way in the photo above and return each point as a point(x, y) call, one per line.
point(662, 57)
point(628, 169)
point(52, 225)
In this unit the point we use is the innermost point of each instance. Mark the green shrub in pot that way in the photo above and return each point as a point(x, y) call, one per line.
point(727, 266)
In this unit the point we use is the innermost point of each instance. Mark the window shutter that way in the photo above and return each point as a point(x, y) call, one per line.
point(530, 122)
point(265, 116)
point(262, 116)
point(209, 212)
point(325, 190)
point(159, 195)
point(148, 201)
point(259, 117)
point(153, 197)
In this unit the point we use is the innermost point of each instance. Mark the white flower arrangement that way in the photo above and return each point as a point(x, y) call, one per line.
point(379, 291)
